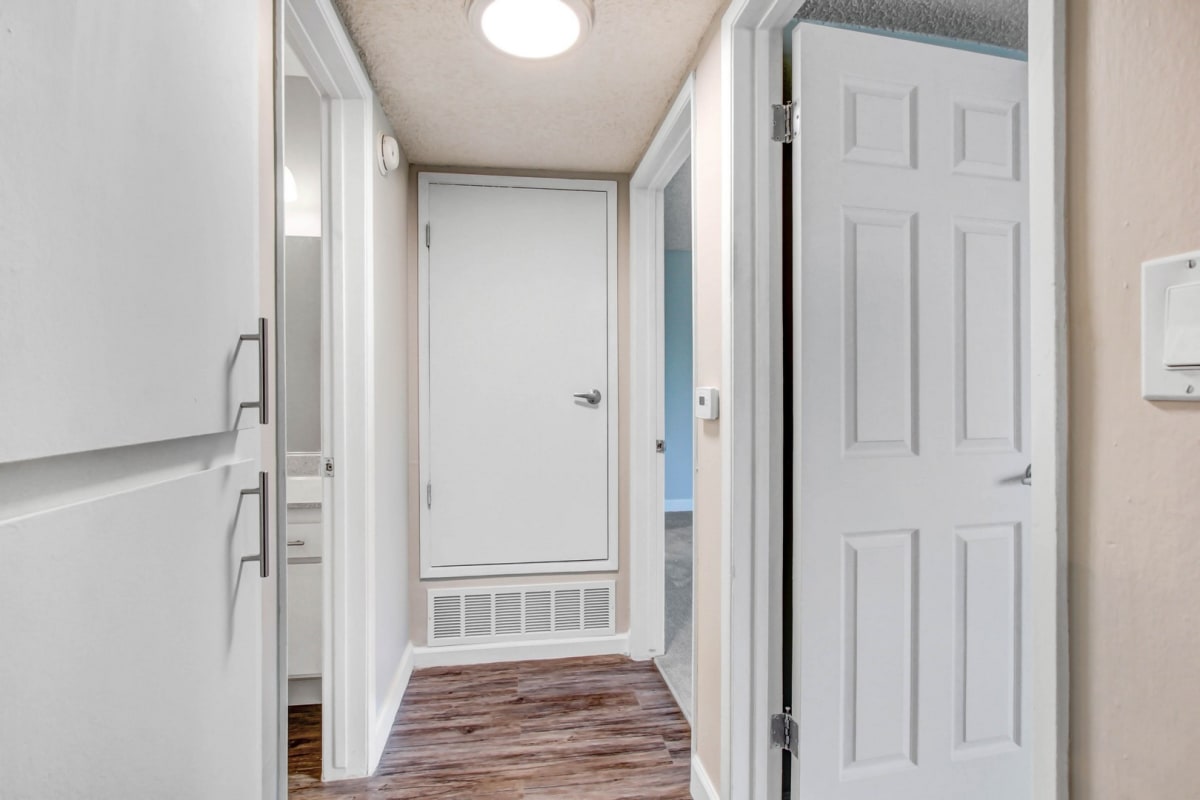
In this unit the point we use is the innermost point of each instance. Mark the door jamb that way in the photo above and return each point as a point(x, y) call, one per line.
point(752, 174)
point(672, 145)
point(315, 33)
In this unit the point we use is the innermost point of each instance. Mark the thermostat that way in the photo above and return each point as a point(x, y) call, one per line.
point(708, 400)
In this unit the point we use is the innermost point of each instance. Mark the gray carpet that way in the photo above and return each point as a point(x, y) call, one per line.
point(676, 662)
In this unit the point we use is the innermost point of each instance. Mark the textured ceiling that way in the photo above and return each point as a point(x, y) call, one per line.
point(997, 22)
point(457, 102)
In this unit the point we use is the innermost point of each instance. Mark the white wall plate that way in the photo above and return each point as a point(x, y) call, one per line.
point(1158, 381)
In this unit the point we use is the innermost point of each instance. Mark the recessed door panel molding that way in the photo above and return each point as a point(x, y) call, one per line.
point(881, 349)
point(987, 138)
point(879, 664)
point(988, 387)
point(879, 122)
point(911, 636)
point(987, 687)
point(518, 376)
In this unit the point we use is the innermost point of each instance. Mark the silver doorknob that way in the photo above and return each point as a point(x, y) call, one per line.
point(1027, 478)
point(592, 397)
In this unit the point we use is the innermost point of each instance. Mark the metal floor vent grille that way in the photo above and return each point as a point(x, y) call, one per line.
point(514, 613)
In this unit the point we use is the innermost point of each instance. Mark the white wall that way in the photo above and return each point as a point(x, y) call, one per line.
point(391, 432)
point(302, 155)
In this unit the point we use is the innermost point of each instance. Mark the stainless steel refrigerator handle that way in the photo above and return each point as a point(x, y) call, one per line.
point(264, 563)
point(261, 338)
point(592, 397)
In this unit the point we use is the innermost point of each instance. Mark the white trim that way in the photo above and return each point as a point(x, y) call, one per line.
point(752, 496)
point(456, 655)
point(382, 728)
point(612, 563)
point(666, 154)
point(303, 691)
point(666, 678)
point(702, 787)
point(314, 31)
point(1048, 367)
point(684, 504)
point(751, 206)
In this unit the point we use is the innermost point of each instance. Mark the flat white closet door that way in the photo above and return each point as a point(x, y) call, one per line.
point(131, 623)
point(518, 469)
point(912, 636)
point(128, 211)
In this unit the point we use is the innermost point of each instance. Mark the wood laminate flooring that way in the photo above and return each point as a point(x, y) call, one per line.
point(603, 728)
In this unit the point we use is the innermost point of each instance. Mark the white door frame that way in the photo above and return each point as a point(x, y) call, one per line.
point(609, 188)
point(315, 33)
point(647, 584)
point(752, 174)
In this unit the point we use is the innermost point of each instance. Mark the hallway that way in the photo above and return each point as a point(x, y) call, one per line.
point(601, 728)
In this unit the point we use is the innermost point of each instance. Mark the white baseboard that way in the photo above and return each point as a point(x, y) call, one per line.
point(684, 504)
point(304, 691)
point(702, 786)
point(455, 655)
point(687, 712)
point(390, 707)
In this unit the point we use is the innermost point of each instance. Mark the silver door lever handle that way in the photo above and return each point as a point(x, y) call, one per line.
point(1027, 478)
point(592, 397)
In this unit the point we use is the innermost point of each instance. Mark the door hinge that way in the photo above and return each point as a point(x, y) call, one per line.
point(429, 494)
point(426, 234)
point(660, 446)
point(327, 469)
point(783, 123)
point(785, 731)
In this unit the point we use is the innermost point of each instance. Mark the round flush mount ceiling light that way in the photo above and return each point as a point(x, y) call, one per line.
point(531, 28)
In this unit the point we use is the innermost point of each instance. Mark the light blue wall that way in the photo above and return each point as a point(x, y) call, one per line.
point(678, 379)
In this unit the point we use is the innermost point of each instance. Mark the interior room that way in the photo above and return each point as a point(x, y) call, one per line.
point(304, 308)
point(676, 661)
point(599, 399)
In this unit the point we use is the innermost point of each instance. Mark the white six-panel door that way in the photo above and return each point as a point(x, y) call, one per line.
point(518, 285)
point(911, 620)
point(130, 624)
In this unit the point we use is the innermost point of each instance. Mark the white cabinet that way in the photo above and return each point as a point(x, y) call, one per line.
point(304, 620)
point(304, 580)
point(304, 534)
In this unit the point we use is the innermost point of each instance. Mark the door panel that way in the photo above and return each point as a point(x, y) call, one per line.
point(519, 321)
point(909, 623)
point(132, 636)
point(131, 631)
point(128, 213)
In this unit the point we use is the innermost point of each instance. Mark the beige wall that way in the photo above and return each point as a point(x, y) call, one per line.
point(708, 371)
point(1133, 194)
point(418, 587)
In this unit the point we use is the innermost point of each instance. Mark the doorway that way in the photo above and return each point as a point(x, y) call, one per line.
point(755, 75)
point(304, 298)
point(333, 564)
point(676, 662)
